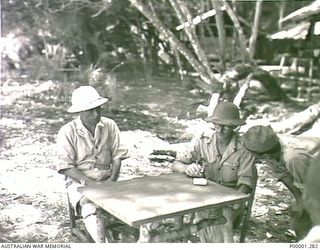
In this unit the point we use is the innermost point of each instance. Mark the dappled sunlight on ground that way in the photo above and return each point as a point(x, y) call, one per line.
point(31, 117)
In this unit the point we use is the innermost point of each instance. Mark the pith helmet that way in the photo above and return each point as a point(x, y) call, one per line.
point(260, 139)
point(226, 113)
point(85, 98)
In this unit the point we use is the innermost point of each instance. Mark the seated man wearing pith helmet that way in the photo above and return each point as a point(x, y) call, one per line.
point(89, 152)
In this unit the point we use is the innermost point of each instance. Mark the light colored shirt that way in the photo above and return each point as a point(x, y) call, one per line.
point(294, 161)
point(232, 168)
point(77, 147)
point(313, 236)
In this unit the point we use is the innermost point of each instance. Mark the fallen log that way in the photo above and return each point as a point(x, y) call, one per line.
point(163, 155)
point(298, 120)
point(161, 159)
point(292, 125)
point(164, 152)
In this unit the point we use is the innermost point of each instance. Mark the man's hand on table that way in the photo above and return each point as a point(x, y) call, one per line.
point(194, 170)
point(87, 182)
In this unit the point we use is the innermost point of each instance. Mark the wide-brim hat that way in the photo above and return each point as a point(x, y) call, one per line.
point(226, 113)
point(260, 139)
point(85, 98)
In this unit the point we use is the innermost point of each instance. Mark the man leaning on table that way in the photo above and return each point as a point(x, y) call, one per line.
point(89, 152)
point(224, 160)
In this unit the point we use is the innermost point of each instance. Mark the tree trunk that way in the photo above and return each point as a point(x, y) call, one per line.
point(270, 83)
point(255, 29)
point(242, 39)
point(234, 34)
point(282, 9)
point(184, 15)
point(298, 120)
point(221, 32)
point(293, 124)
point(179, 63)
point(174, 41)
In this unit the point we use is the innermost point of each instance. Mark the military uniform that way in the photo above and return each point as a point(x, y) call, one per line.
point(289, 159)
point(232, 168)
point(293, 162)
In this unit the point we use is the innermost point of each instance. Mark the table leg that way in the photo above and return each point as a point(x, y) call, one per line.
point(101, 233)
point(228, 226)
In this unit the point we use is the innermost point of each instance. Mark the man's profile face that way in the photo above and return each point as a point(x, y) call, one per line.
point(91, 117)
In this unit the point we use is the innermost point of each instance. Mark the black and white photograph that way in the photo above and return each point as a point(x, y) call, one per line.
point(160, 121)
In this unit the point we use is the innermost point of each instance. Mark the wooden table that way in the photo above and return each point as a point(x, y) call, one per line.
point(153, 198)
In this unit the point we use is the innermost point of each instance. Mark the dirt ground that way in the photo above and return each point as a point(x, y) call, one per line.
point(32, 196)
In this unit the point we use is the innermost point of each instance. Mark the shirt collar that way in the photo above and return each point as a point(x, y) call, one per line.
point(82, 129)
point(233, 144)
point(209, 135)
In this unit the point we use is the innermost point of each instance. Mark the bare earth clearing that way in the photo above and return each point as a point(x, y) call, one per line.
point(32, 198)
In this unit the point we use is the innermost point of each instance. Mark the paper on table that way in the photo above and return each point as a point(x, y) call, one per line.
point(200, 181)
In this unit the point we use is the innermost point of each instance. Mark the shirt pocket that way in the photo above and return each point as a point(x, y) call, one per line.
point(230, 172)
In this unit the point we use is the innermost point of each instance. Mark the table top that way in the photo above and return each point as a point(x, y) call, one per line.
point(148, 199)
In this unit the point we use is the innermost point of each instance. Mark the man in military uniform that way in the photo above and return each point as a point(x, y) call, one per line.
point(289, 164)
point(225, 161)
